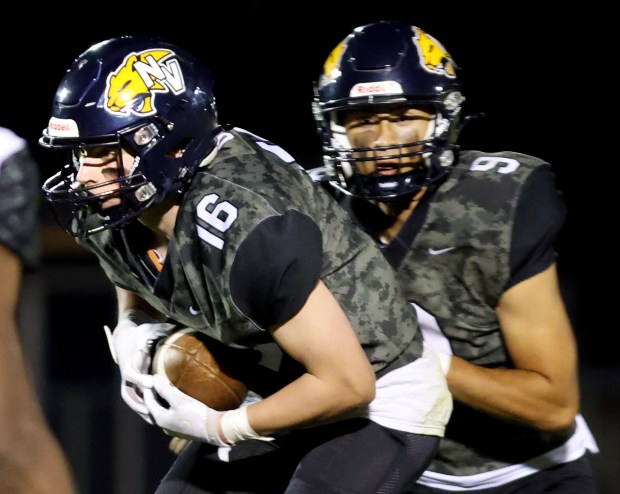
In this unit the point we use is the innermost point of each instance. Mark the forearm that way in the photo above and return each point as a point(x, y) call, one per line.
point(306, 402)
point(39, 447)
point(339, 379)
point(128, 300)
point(515, 395)
point(542, 388)
point(27, 439)
point(338, 382)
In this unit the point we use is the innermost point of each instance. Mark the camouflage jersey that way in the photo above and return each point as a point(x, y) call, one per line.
point(19, 199)
point(491, 224)
point(253, 236)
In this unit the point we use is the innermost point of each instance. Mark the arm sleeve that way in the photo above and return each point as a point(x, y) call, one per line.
point(539, 217)
point(276, 268)
point(19, 203)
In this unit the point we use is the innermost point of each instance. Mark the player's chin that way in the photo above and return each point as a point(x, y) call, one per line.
point(387, 171)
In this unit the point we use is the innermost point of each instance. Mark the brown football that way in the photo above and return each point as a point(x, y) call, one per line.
point(204, 373)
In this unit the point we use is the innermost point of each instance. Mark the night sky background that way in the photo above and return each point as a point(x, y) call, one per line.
point(539, 75)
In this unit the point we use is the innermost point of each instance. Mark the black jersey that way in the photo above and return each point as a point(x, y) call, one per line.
point(19, 198)
point(253, 236)
point(491, 224)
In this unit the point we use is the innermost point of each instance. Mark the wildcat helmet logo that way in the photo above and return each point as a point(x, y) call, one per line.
point(330, 67)
point(133, 86)
point(433, 56)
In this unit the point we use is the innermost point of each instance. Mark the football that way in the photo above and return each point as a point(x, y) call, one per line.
point(200, 367)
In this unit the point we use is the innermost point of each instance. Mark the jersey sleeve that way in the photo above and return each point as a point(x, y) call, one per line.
point(276, 268)
point(539, 217)
point(19, 203)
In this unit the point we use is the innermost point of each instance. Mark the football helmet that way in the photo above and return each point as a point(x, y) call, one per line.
point(388, 63)
point(137, 93)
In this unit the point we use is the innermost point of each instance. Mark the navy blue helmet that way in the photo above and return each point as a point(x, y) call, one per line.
point(388, 63)
point(144, 95)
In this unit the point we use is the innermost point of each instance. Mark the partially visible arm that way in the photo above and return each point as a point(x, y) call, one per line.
point(543, 390)
point(339, 382)
point(129, 300)
point(338, 376)
point(138, 327)
point(31, 459)
point(306, 321)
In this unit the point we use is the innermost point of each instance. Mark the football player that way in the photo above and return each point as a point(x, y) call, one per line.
point(211, 227)
point(471, 235)
point(31, 458)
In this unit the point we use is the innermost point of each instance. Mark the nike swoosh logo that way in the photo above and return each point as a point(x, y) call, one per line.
point(436, 252)
point(193, 311)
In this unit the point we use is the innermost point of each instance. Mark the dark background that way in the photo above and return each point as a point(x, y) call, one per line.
point(539, 76)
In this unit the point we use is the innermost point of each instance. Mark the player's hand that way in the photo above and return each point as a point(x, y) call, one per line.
point(180, 415)
point(131, 348)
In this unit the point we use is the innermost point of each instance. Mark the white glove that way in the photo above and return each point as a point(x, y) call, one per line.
point(183, 416)
point(131, 345)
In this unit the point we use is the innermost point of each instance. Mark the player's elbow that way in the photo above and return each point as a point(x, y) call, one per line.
point(356, 399)
point(352, 391)
point(558, 420)
point(366, 394)
point(360, 392)
point(557, 414)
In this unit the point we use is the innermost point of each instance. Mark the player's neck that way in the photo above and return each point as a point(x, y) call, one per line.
point(400, 213)
point(161, 218)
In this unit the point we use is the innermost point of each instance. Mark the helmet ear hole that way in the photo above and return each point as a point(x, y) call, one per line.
point(338, 118)
point(177, 150)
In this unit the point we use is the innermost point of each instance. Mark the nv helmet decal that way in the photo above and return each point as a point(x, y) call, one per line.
point(434, 57)
point(133, 86)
